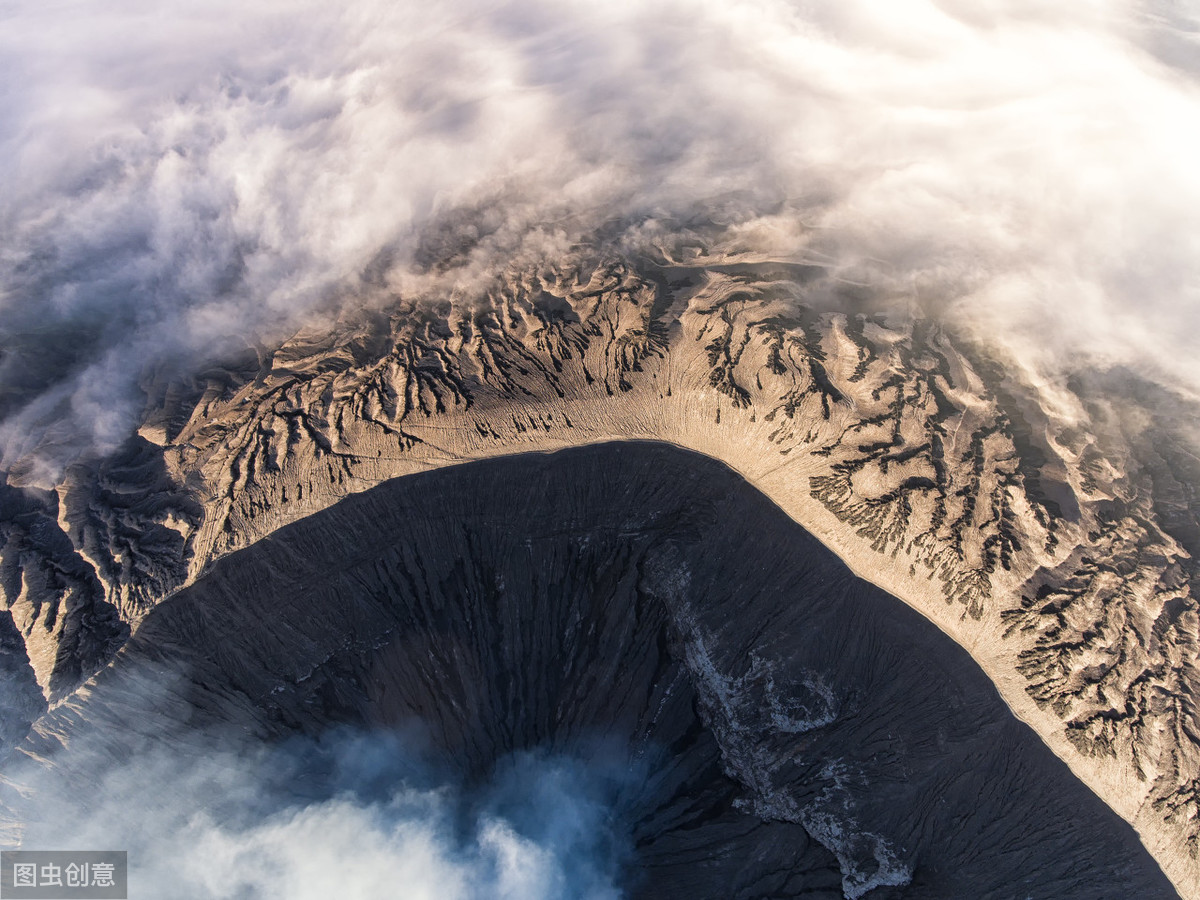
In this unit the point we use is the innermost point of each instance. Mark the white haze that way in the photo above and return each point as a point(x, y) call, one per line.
point(262, 825)
point(179, 178)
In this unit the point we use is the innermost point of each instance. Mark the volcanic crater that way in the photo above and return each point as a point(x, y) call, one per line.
point(795, 731)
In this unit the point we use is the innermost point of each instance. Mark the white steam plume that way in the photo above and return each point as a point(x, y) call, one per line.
point(352, 814)
point(176, 177)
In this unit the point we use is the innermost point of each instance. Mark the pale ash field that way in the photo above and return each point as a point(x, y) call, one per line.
point(1036, 525)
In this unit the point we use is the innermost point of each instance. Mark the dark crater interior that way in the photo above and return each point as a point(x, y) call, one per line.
point(797, 732)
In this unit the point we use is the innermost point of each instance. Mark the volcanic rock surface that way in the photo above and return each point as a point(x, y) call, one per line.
point(800, 732)
point(1051, 529)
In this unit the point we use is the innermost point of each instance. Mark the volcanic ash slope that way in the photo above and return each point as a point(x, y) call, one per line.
point(797, 732)
point(1054, 543)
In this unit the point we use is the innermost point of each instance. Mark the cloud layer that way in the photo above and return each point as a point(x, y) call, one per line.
point(177, 179)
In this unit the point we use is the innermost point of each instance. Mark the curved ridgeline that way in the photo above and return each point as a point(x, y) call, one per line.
point(798, 732)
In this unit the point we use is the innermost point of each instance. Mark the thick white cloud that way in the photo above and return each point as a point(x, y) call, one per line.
point(174, 177)
point(350, 815)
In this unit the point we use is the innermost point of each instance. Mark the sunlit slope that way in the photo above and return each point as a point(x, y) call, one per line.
point(1053, 543)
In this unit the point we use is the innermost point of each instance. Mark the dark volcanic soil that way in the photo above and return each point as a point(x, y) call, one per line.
point(801, 732)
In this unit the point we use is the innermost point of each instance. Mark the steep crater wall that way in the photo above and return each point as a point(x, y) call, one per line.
point(801, 732)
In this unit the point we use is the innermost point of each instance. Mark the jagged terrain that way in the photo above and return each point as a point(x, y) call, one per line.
point(797, 732)
point(1047, 530)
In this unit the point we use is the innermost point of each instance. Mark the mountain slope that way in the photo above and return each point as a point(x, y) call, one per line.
point(1055, 545)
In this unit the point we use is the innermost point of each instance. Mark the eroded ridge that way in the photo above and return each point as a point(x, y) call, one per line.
point(1021, 516)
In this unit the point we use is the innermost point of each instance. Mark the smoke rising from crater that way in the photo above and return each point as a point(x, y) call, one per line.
point(351, 814)
point(177, 180)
